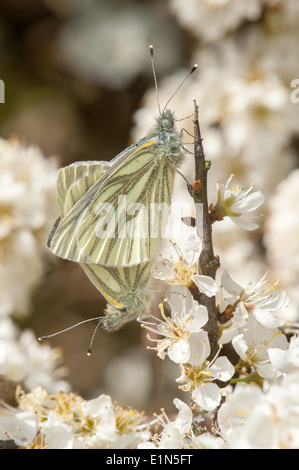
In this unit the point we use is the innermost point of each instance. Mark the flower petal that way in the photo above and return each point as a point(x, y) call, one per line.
point(162, 269)
point(266, 318)
point(184, 418)
point(222, 369)
point(245, 223)
point(192, 247)
point(199, 348)
point(206, 284)
point(200, 318)
point(249, 203)
point(207, 396)
point(179, 351)
point(229, 285)
point(240, 346)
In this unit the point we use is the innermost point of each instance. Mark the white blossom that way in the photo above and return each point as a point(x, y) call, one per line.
point(20, 426)
point(237, 204)
point(57, 434)
point(286, 360)
point(186, 317)
point(27, 212)
point(183, 268)
point(262, 300)
point(175, 432)
point(213, 19)
point(281, 237)
point(94, 423)
point(67, 421)
point(282, 227)
point(28, 362)
point(253, 343)
point(255, 419)
point(205, 440)
point(250, 128)
point(199, 374)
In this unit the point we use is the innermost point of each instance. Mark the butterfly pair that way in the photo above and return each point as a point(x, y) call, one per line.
point(118, 266)
point(89, 196)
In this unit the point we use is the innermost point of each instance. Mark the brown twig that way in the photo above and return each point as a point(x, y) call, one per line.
point(208, 262)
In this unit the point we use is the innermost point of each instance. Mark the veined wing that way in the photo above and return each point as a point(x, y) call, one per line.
point(87, 235)
point(74, 181)
point(119, 285)
point(125, 290)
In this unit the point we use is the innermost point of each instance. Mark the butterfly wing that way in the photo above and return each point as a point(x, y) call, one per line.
point(72, 183)
point(74, 180)
point(95, 230)
point(119, 285)
point(125, 290)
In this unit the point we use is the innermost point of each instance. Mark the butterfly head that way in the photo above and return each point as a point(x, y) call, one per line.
point(165, 122)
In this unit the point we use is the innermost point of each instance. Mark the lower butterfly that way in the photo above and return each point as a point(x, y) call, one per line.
point(123, 287)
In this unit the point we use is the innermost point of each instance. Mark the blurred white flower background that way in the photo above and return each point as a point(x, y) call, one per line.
point(79, 86)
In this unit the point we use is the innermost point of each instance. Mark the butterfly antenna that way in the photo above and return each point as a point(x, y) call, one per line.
point(151, 48)
point(43, 338)
point(93, 336)
point(195, 66)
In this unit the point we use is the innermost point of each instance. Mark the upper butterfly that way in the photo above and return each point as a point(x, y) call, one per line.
point(106, 225)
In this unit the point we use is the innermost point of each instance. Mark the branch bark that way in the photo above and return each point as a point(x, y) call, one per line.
point(208, 262)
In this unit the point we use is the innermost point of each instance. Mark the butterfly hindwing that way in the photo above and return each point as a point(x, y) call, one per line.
point(74, 181)
point(119, 285)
